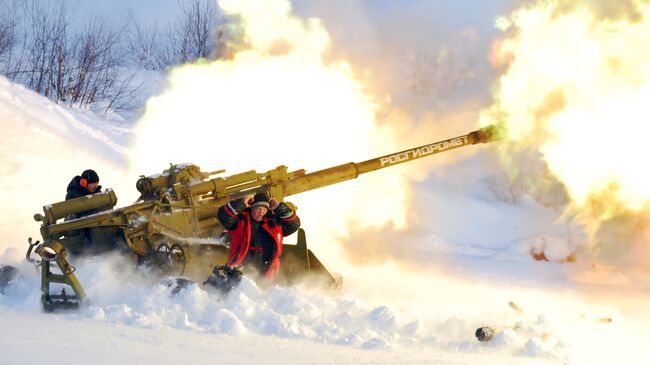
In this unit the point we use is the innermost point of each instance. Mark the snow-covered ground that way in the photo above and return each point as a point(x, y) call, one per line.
point(412, 295)
point(469, 266)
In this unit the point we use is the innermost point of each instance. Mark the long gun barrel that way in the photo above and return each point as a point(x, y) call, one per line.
point(280, 183)
point(352, 170)
point(178, 209)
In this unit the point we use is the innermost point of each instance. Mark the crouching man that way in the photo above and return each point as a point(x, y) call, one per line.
point(81, 185)
point(257, 226)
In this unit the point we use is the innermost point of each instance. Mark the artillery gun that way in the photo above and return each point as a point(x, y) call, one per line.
point(173, 226)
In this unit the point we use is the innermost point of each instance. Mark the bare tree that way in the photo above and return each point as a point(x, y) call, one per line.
point(192, 37)
point(14, 51)
point(96, 59)
point(125, 92)
point(40, 47)
point(144, 44)
point(199, 33)
point(47, 50)
point(80, 69)
point(7, 32)
point(199, 23)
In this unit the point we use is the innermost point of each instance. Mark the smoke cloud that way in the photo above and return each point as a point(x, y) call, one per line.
point(428, 63)
point(569, 81)
point(603, 10)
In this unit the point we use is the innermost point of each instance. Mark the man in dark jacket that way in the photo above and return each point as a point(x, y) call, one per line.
point(81, 185)
point(92, 240)
point(257, 227)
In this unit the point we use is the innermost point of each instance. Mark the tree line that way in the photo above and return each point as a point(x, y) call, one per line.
point(96, 62)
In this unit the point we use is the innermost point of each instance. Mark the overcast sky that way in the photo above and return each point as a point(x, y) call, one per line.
point(386, 37)
point(460, 13)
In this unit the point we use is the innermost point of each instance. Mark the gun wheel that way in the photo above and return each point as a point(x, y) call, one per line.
point(170, 260)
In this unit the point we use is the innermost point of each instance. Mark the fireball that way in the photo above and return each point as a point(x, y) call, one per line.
point(278, 100)
point(575, 87)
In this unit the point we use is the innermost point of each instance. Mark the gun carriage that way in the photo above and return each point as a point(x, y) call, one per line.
point(173, 225)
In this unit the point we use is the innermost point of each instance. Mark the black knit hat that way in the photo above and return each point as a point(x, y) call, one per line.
point(260, 200)
point(90, 176)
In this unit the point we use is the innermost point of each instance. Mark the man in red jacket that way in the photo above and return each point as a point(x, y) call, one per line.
point(257, 226)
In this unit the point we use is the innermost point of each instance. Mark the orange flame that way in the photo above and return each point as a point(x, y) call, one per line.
point(576, 88)
point(276, 102)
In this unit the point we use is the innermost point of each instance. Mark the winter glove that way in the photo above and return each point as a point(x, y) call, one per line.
point(224, 278)
point(283, 211)
point(237, 205)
